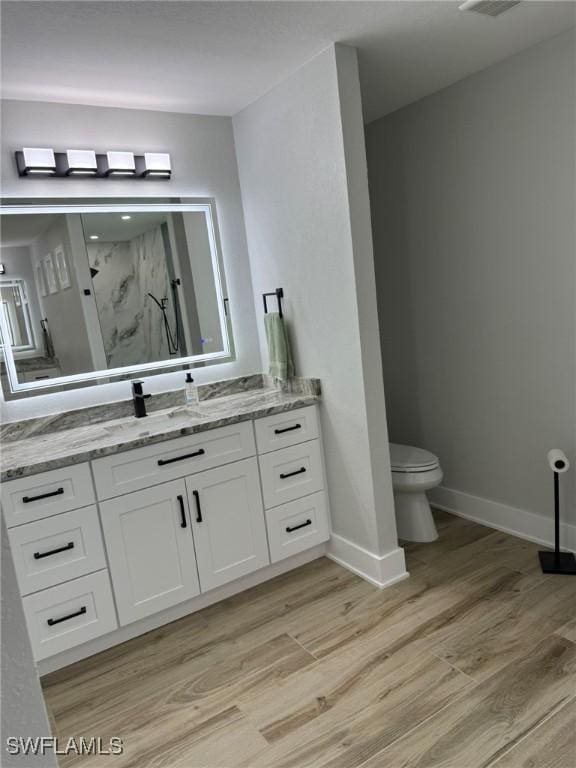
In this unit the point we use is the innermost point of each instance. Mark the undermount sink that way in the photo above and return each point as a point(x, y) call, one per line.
point(144, 425)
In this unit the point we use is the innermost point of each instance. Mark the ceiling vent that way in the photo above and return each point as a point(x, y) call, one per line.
point(488, 7)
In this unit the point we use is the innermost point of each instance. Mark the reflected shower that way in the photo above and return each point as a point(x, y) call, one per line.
point(172, 337)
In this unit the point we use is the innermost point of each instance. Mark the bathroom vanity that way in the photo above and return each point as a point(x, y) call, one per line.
point(117, 524)
point(121, 525)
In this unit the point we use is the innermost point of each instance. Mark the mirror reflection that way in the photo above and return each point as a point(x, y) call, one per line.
point(109, 289)
point(14, 298)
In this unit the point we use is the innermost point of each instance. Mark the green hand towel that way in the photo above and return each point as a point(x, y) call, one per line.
point(279, 352)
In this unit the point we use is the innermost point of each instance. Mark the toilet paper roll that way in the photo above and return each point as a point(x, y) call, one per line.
point(558, 461)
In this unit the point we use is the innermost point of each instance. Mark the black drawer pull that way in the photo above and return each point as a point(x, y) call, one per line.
point(287, 429)
point(295, 527)
point(57, 492)
point(40, 555)
point(291, 474)
point(198, 507)
point(82, 611)
point(199, 452)
point(182, 511)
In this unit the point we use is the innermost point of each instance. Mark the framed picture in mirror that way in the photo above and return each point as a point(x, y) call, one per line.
point(50, 273)
point(62, 267)
point(40, 280)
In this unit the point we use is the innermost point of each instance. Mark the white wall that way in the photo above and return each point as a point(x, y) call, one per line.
point(473, 201)
point(296, 148)
point(206, 297)
point(204, 163)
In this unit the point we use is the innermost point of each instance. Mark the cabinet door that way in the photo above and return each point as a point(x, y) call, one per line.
point(228, 522)
point(150, 550)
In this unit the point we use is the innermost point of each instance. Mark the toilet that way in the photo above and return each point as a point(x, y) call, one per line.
point(414, 471)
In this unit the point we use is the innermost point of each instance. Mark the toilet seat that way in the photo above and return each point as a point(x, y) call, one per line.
point(406, 459)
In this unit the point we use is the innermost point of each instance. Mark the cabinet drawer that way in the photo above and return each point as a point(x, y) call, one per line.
point(57, 549)
point(70, 614)
point(297, 526)
point(143, 467)
point(291, 473)
point(284, 429)
point(41, 373)
point(45, 494)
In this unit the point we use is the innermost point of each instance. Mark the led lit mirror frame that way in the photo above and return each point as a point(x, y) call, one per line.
point(123, 206)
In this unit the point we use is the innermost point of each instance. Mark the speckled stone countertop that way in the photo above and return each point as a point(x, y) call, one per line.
point(39, 445)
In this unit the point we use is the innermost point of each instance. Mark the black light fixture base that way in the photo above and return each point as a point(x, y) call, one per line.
point(558, 562)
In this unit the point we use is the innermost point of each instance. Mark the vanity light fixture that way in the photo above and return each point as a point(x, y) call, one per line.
point(126, 217)
point(155, 165)
point(119, 164)
point(80, 162)
point(94, 237)
point(36, 161)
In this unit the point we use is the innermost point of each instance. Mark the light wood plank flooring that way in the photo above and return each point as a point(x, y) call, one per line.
point(470, 663)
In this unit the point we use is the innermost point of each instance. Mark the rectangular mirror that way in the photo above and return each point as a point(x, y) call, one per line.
point(95, 291)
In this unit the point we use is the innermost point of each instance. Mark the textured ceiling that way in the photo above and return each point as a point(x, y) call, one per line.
point(217, 57)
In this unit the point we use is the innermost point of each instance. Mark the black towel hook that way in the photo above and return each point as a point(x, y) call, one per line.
point(279, 293)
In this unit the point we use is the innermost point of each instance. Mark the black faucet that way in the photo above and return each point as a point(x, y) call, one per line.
point(139, 398)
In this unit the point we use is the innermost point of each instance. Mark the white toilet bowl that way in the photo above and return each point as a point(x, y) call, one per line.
point(414, 471)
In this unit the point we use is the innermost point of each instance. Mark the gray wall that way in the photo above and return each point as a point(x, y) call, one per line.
point(473, 200)
point(204, 165)
point(295, 172)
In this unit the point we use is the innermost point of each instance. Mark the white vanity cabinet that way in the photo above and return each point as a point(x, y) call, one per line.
point(109, 549)
point(150, 550)
point(228, 523)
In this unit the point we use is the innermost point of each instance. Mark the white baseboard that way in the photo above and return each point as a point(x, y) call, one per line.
point(518, 522)
point(381, 570)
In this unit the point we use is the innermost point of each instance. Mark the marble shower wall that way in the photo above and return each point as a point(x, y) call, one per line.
point(131, 322)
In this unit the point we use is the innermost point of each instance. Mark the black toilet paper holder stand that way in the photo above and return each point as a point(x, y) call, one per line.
point(557, 561)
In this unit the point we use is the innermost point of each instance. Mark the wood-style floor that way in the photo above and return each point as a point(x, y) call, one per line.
point(470, 663)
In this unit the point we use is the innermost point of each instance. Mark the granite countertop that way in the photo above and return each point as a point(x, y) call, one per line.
point(43, 444)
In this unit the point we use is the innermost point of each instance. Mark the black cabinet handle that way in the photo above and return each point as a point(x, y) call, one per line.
point(198, 507)
point(287, 429)
point(182, 511)
point(199, 452)
point(295, 527)
point(82, 611)
point(28, 499)
point(291, 474)
point(40, 555)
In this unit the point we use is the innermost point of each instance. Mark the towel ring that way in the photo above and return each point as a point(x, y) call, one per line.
point(279, 293)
